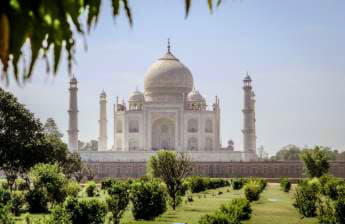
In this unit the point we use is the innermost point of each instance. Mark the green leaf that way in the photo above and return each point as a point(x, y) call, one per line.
point(187, 7)
point(128, 11)
point(219, 2)
point(116, 7)
point(210, 5)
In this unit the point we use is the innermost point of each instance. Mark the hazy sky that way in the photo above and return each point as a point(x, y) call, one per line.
point(294, 50)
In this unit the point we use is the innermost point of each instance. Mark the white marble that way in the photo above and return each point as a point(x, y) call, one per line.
point(170, 114)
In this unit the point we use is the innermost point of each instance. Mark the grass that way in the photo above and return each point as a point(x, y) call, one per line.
point(274, 207)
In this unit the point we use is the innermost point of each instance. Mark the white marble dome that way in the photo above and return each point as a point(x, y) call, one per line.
point(136, 96)
point(195, 96)
point(167, 76)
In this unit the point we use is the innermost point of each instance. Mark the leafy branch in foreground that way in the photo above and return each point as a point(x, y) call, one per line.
point(49, 27)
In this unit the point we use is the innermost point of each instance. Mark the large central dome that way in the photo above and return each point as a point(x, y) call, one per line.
point(167, 79)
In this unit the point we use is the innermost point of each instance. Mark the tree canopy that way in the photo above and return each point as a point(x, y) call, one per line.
point(172, 168)
point(49, 28)
point(316, 161)
point(51, 128)
point(293, 152)
point(24, 142)
point(21, 136)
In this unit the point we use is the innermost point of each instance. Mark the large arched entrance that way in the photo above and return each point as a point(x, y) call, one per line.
point(163, 134)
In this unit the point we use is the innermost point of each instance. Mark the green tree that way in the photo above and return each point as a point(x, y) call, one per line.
point(22, 139)
point(50, 27)
point(289, 152)
point(50, 178)
point(316, 161)
point(72, 165)
point(118, 200)
point(51, 128)
point(172, 168)
point(148, 199)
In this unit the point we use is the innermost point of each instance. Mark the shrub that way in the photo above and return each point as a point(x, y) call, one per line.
point(90, 189)
point(330, 188)
point(339, 207)
point(326, 212)
point(323, 180)
point(21, 185)
point(4, 185)
point(219, 218)
point(238, 207)
point(72, 188)
point(5, 197)
point(106, 183)
point(86, 210)
point(314, 184)
point(285, 184)
point(217, 183)
point(17, 202)
point(237, 184)
point(252, 191)
point(262, 184)
point(37, 200)
point(5, 215)
point(51, 178)
point(118, 200)
point(59, 215)
point(197, 184)
point(148, 199)
point(305, 197)
point(341, 191)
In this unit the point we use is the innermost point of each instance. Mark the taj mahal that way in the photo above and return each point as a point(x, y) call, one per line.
point(169, 114)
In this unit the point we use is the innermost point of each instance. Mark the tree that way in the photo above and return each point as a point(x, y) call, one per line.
point(21, 136)
point(58, 149)
point(118, 200)
point(72, 165)
point(50, 178)
point(49, 28)
point(316, 161)
point(172, 168)
point(289, 152)
point(51, 128)
point(148, 199)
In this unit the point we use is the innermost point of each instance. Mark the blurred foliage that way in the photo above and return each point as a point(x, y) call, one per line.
point(50, 27)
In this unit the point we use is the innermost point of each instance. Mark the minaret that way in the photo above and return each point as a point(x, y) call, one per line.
point(249, 133)
point(102, 139)
point(73, 116)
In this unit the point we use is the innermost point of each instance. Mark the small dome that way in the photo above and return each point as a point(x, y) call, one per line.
point(136, 96)
point(247, 78)
point(73, 79)
point(103, 94)
point(167, 76)
point(195, 96)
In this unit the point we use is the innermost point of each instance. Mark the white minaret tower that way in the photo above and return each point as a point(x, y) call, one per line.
point(73, 116)
point(102, 139)
point(249, 132)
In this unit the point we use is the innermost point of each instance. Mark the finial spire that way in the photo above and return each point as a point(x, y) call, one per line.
point(136, 88)
point(169, 45)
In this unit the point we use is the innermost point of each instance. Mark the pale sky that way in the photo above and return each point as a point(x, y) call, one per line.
point(294, 50)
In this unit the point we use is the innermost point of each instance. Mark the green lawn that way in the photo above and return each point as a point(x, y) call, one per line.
point(274, 207)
